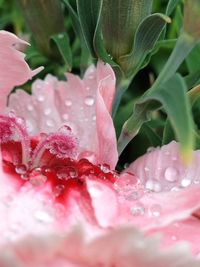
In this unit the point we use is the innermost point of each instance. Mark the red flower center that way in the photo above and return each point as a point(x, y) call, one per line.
point(45, 158)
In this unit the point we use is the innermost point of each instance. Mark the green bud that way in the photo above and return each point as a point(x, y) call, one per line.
point(120, 19)
point(191, 22)
point(44, 19)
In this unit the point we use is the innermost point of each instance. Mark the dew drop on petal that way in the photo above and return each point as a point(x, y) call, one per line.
point(137, 210)
point(50, 123)
point(21, 169)
point(43, 216)
point(68, 103)
point(65, 116)
point(155, 210)
point(58, 190)
point(171, 174)
point(30, 107)
point(89, 101)
point(186, 182)
point(40, 98)
point(47, 111)
point(38, 180)
point(153, 185)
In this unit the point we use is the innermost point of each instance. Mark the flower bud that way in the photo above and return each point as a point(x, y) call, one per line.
point(120, 20)
point(191, 21)
point(44, 19)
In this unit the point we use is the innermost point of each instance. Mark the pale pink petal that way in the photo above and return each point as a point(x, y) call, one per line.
point(188, 231)
point(155, 210)
point(83, 105)
point(124, 247)
point(162, 169)
point(171, 189)
point(13, 68)
point(39, 109)
point(107, 147)
point(104, 202)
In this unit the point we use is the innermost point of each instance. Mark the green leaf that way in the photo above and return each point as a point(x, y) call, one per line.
point(168, 133)
point(85, 56)
point(171, 6)
point(193, 60)
point(192, 79)
point(172, 96)
point(88, 12)
point(153, 137)
point(146, 37)
point(62, 42)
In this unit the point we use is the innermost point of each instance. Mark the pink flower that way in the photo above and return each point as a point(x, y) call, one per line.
point(61, 202)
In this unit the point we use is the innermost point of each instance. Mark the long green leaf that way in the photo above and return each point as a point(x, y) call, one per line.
point(88, 12)
point(85, 54)
point(62, 42)
point(172, 96)
point(146, 37)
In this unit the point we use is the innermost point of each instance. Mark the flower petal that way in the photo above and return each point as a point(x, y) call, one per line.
point(125, 247)
point(187, 230)
point(107, 147)
point(83, 105)
point(13, 68)
point(104, 202)
point(171, 189)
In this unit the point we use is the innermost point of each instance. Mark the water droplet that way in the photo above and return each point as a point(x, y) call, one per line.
point(94, 118)
point(171, 174)
point(68, 103)
point(38, 180)
point(43, 216)
point(50, 123)
point(196, 181)
point(146, 169)
point(30, 126)
point(87, 88)
point(58, 190)
point(105, 168)
point(89, 101)
point(155, 210)
point(40, 98)
point(30, 107)
point(175, 189)
point(137, 210)
point(186, 182)
point(153, 185)
point(129, 187)
point(47, 111)
point(65, 117)
point(21, 169)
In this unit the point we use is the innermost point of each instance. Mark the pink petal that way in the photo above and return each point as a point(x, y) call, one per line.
point(155, 210)
point(124, 247)
point(171, 190)
point(188, 231)
point(13, 68)
point(104, 202)
point(83, 105)
point(105, 129)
